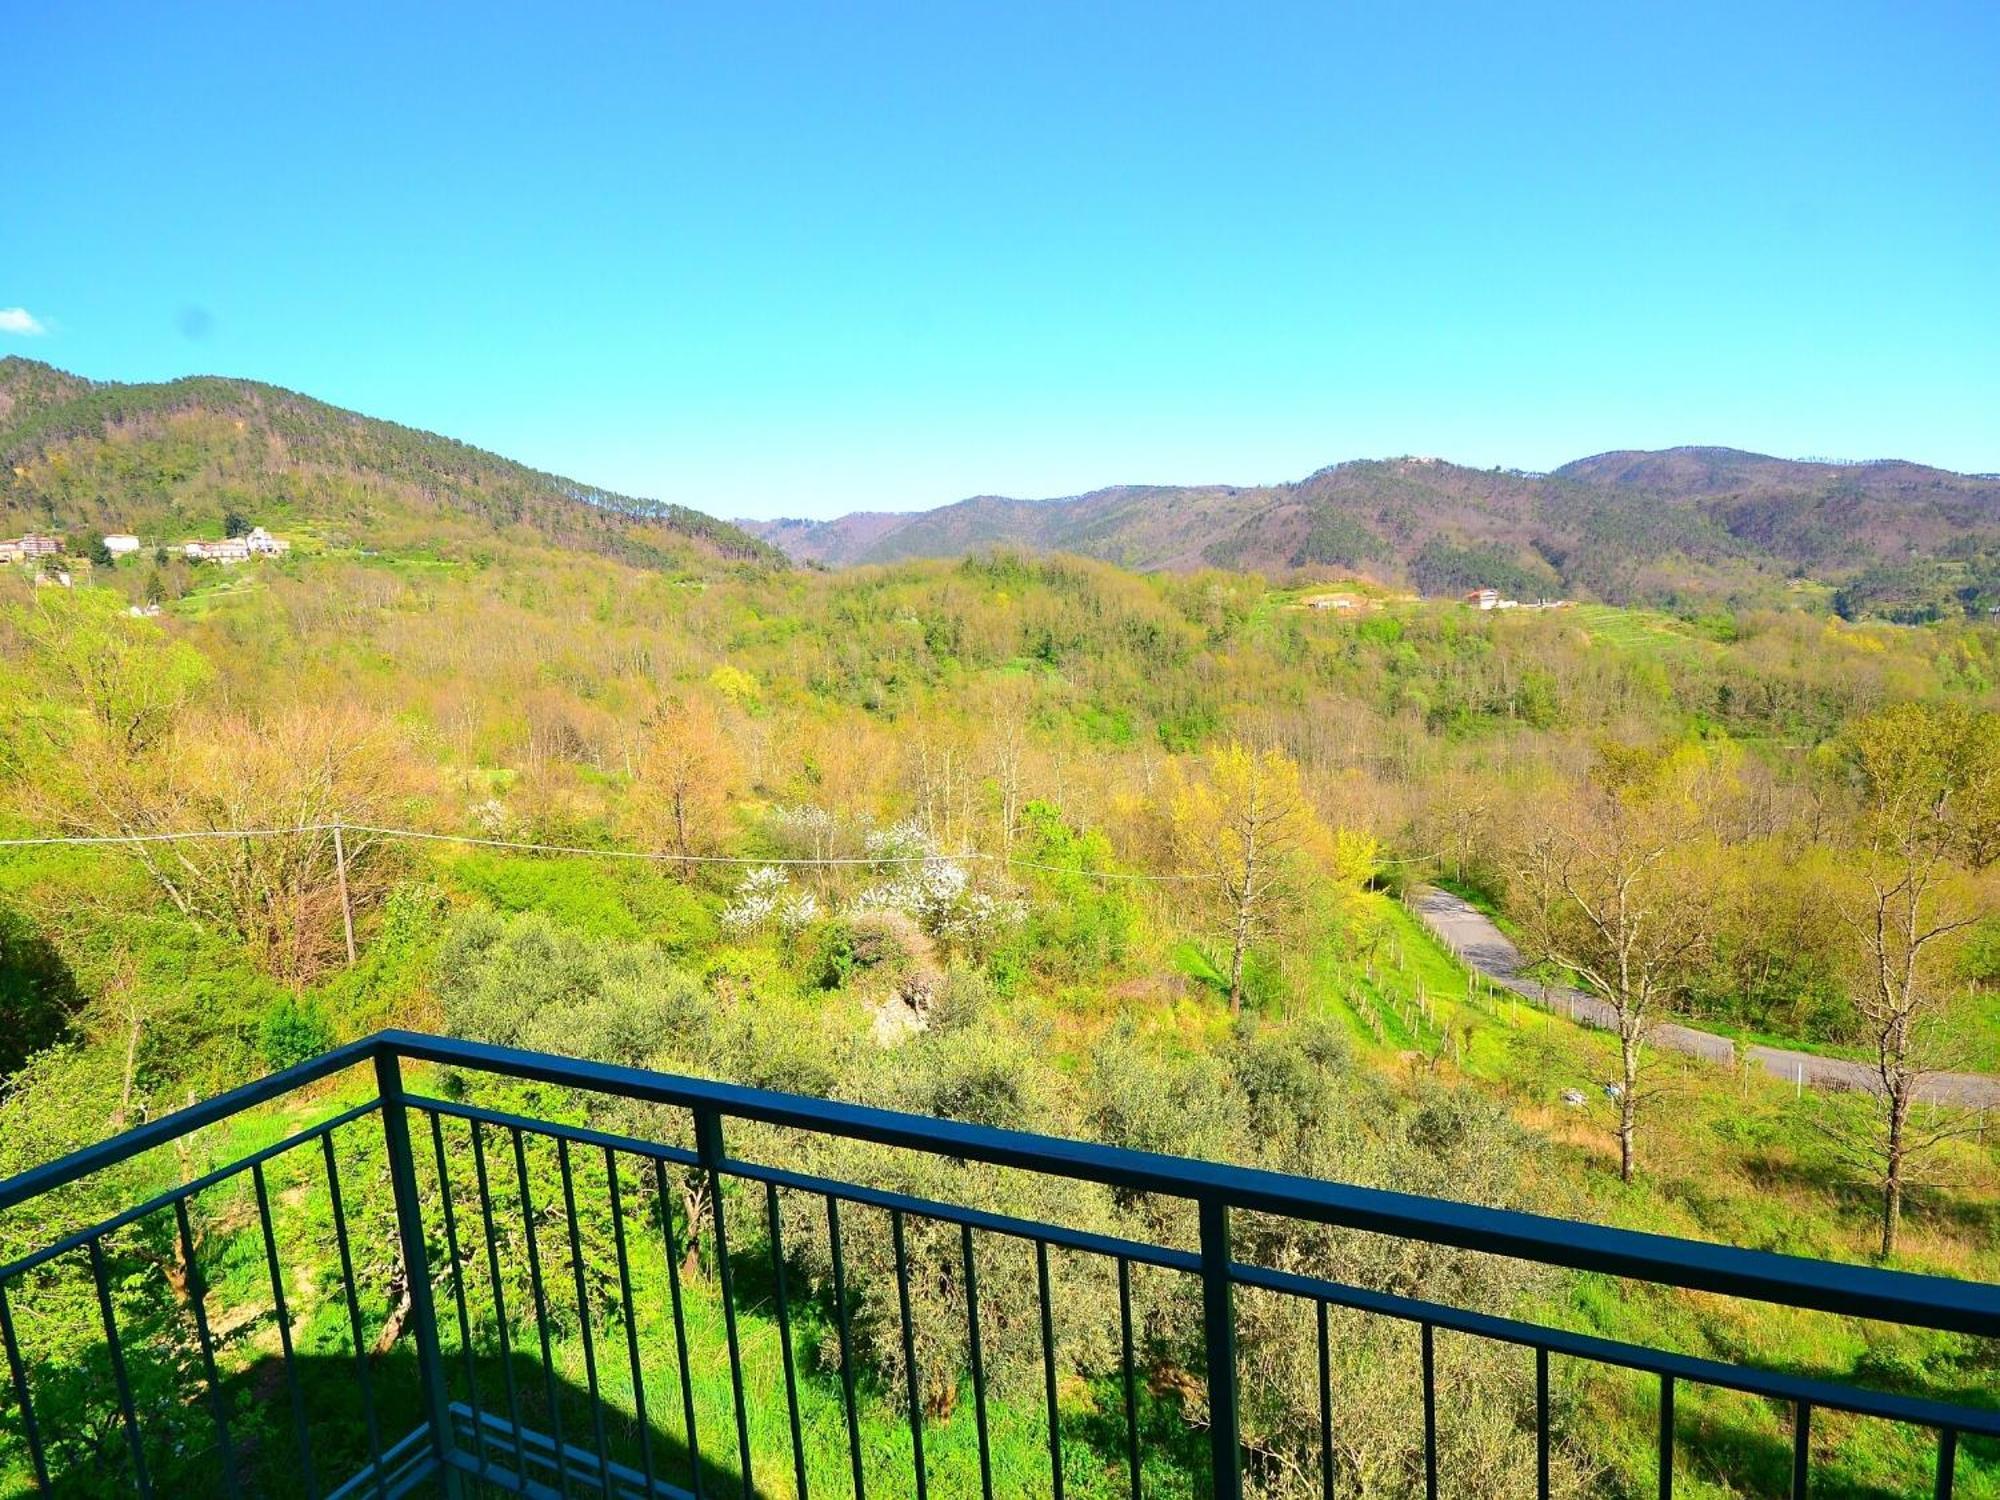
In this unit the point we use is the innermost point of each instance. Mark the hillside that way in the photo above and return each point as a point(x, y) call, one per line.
point(1082, 730)
point(170, 458)
point(1622, 526)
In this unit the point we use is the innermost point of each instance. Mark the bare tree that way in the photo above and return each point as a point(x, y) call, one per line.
point(1613, 896)
point(1248, 824)
point(1925, 781)
point(685, 780)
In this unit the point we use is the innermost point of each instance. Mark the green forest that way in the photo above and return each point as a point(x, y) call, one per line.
point(1033, 786)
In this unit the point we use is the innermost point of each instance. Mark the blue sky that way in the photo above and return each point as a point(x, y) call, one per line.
point(791, 259)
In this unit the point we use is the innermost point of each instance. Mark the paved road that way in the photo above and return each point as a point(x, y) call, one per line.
point(1468, 932)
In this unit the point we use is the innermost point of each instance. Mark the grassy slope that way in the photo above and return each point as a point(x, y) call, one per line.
point(1733, 1159)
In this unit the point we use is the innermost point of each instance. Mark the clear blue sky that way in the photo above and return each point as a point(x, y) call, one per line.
point(787, 259)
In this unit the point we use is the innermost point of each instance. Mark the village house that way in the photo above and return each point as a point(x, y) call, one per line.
point(1343, 602)
point(1483, 598)
point(21, 548)
point(121, 544)
point(236, 549)
point(231, 549)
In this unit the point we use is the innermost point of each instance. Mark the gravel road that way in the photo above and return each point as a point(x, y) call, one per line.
point(1469, 933)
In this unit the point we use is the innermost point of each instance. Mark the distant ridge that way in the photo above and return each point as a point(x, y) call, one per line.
point(1625, 525)
point(77, 454)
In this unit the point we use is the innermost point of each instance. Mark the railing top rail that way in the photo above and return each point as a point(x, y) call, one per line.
point(1795, 1281)
point(171, 1127)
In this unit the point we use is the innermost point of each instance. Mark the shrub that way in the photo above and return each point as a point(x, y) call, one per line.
point(293, 1030)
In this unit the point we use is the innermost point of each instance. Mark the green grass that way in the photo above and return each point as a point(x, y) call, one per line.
point(1736, 1159)
point(1641, 631)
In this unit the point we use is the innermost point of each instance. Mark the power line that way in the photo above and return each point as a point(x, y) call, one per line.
point(970, 856)
point(584, 851)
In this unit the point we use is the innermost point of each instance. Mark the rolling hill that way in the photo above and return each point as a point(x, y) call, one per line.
point(1619, 526)
point(172, 458)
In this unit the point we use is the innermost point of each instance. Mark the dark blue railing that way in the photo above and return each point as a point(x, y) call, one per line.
point(462, 1445)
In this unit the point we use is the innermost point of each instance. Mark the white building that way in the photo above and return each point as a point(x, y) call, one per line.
point(231, 549)
point(262, 544)
point(1484, 598)
point(119, 544)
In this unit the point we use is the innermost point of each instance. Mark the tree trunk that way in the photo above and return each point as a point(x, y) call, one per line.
point(694, 1205)
point(1242, 941)
point(1245, 897)
point(1892, 1175)
point(1628, 1105)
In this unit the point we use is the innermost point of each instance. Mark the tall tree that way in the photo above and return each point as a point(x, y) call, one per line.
point(1924, 775)
point(685, 779)
point(1246, 824)
point(1616, 895)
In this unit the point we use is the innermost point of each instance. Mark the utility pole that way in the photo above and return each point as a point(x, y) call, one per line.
point(346, 907)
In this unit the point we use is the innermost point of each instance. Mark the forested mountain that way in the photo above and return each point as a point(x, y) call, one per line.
point(172, 458)
point(1624, 526)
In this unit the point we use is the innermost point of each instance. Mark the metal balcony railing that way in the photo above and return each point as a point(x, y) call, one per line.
point(345, 1421)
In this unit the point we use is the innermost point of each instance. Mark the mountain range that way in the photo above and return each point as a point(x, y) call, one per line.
point(1618, 525)
point(1683, 525)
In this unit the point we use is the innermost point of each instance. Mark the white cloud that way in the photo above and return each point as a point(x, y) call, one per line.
point(20, 320)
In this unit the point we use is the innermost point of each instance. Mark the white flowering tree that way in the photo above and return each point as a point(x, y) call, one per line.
point(766, 899)
point(934, 890)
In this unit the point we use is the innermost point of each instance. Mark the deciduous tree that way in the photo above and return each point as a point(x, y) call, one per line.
point(1246, 825)
point(1615, 895)
point(1925, 777)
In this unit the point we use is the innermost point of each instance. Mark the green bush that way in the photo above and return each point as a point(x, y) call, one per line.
point(291, 1031)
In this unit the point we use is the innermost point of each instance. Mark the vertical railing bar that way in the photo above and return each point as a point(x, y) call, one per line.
point(1801, 1448)
point(846, 1342)
point(282, 1314)
point(1947, 1461)
point(978, 1352)
point(499, 1296)
point(910, 1371)
point(1325, 1404)
point(1542, 1424)
point(680, 1324)
point(1049, 1368)
point(1219, 1343)
point(540, 1292)
point(19, 1371)
point(197, 1294)
point(708, 1145)
point(1429, 1340)
point(458, 1294)
point(631, 1319)
point(1666, 1437)
point(416, 1267)
point(785, 1337)
point(1130, 1373)
point(120, 1378)
point(367, 1383)
point(583, 1315)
